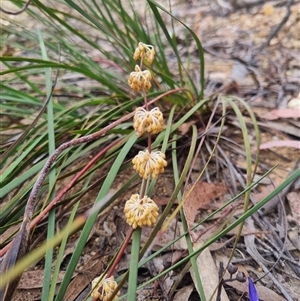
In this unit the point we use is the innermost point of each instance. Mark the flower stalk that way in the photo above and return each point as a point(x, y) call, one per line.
point(140, 210)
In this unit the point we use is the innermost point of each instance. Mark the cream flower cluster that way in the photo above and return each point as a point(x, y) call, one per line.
point(148, 121)
point(149, 164)
point(144, 51)
point(103, 289)
point(140, 80)
point(140, 212)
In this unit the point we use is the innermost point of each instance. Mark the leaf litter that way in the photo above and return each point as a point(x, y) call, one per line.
point(200, 195)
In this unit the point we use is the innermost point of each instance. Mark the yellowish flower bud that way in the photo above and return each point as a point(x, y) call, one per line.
point(144, 51)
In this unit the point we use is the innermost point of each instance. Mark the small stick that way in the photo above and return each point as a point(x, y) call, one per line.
point(275, 30)
point(221, 270)
point(17, 12)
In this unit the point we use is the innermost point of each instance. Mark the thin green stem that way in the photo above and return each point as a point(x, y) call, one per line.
point(143, 188)
point(133, 269)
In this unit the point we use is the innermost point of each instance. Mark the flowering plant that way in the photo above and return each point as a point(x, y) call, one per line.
point(140, 210)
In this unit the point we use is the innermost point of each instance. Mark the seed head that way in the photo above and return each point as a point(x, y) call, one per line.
point(240, 276)
point(149, 164)
point(140, 212)
point(232, 269)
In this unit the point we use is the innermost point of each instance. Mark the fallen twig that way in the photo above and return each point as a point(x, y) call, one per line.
point(16, 12)
point(275, 30)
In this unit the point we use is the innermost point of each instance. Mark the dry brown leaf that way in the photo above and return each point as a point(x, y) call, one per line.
point(30, 285)
point(293, 198)
point(174, 229)
point(200, 195)
point(33, 294)
point(280, 143)
point(242, 164)
point(266, 189)
point(282, 113)
point(294, 238)
point(245, 231)
point(208, 273)
point(162, 201)
point(216, 246)
point(90, 270)
point(183, 293)
point(184, 128)
point(34, 279)
point(283, 126)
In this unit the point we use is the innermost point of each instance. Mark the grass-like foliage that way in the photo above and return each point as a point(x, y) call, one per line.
point(57, 132)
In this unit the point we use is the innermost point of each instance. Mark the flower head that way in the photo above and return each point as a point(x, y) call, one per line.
point(149, 164)
point(103, 289)
point(139, 79)
point(144, 51)
point(140, 212)
point(148, 121)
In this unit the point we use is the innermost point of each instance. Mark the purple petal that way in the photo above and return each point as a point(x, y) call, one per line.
point(252, 290)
